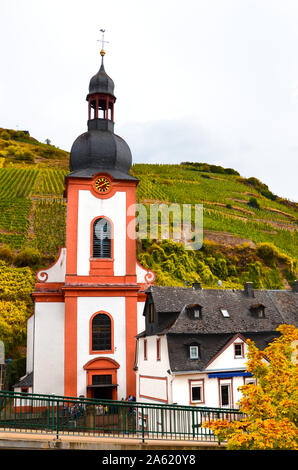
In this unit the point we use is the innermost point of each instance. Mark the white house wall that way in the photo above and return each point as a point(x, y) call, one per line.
point(115, 306)
point(140, 318)
point(152, 376)
point(91, 207)
point(49, 348)
point(29, 353)
point(226, 359)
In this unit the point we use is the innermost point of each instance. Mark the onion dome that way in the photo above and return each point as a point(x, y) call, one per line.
point(101, 83)
point(100, 149)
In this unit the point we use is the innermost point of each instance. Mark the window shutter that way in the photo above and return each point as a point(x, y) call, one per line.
point(102, 238)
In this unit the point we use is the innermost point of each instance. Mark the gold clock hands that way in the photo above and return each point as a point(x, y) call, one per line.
point(102, 184)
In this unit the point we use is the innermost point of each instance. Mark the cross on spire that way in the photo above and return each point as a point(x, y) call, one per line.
point(102, 40)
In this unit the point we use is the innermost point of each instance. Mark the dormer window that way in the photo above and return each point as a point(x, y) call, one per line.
point(257, 310)
point(194, 311)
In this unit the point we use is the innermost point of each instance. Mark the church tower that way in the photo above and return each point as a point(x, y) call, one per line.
point(89, 303)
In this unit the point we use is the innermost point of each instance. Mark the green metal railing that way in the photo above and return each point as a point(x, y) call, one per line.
point(23, 412)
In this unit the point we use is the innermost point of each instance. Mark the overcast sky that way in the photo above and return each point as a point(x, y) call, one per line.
point(213, 81)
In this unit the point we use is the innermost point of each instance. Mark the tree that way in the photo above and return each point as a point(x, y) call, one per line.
point(270, 406)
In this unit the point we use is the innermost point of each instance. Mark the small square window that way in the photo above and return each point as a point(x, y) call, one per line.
point(194, 352)
point(238, 350)
point(196, 391)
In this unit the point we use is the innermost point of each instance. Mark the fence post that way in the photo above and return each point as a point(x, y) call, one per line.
point(143, 427)
point(57, 419)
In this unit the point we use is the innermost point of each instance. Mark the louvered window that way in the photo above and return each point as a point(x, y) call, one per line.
point(101, 333)
point(101, 239)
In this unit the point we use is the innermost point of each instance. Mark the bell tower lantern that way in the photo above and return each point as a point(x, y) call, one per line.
point(101, 97)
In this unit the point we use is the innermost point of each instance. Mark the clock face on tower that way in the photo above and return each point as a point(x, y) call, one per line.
point(102, 184)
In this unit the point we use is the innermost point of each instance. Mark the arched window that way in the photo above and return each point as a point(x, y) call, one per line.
point(101, 238)
point(101, 332)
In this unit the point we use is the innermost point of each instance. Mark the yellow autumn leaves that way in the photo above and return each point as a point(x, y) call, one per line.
point(270, 406)
point(16, 285)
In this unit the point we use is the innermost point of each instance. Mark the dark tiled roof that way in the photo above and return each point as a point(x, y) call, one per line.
point(210, 345)
point(178, 347)
point(26, 381)
point(280, 307)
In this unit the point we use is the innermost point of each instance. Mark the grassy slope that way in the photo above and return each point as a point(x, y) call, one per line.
point(32, 227)
point(32, 209)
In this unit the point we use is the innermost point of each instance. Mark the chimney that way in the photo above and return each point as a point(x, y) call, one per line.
point(295, 286)
point(248, 289)
point(196, 286)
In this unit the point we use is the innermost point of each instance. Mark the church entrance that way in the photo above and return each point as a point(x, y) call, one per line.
point(102, 378)
point(102, 386)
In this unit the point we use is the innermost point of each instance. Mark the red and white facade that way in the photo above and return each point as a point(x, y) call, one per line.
point(77, 287)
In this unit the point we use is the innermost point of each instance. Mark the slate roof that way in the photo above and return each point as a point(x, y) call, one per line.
point(280, 307)
point(26, 381)
point(212, 331)
point(210, 345)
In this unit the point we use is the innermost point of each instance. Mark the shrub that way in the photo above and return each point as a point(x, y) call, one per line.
point(6, 253)
point(268, 252)
point(14, 370)
point(28, 257)
point(24, 156)
point(5, 135)
point(254, 203)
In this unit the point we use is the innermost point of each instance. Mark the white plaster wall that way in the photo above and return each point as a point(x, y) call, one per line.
point(181, 389)
point(152, 368)
point(115, 209)
point(115, 306)
point(49, 348)
point(226, 359)
point(29, 352)
point(140, 317)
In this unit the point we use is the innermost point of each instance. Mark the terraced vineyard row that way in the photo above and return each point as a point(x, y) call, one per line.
point(49, 225)
point(50, 182)
point(14, 221)
point(19, 188)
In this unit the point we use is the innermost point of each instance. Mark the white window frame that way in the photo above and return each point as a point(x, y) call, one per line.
point(239, 356)
point(250, 380)
point(196, 384)
point(192, 348)
point(229, 384)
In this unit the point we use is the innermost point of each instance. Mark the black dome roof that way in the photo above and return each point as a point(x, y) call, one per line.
point(101, 83)
point(100, 149)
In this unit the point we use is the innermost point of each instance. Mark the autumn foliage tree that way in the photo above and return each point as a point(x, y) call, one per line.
point(271, 405)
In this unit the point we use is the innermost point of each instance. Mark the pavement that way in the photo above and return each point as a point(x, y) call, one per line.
point(39, 441)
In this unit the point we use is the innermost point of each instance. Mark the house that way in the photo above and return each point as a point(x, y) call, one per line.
point(193, 349)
